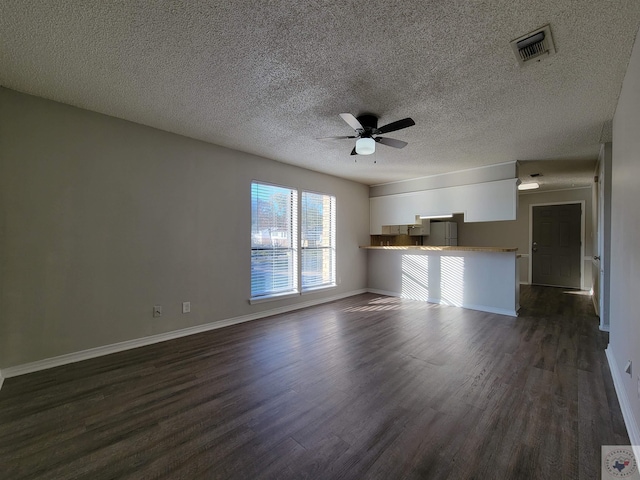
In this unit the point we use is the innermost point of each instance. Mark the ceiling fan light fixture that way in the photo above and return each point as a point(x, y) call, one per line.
point(366, 127)
point(365, 146)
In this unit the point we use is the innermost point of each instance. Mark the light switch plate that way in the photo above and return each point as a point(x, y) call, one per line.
point(157, 311)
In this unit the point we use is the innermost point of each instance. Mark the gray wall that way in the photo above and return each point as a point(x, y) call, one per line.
point(516, 233)
point(100, 219)
point(624, 310)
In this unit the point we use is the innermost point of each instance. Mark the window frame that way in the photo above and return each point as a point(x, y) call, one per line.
point(293, 247)
point(296, 245)
point(332, 242)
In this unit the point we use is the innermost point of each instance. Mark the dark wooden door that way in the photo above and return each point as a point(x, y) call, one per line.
point(556, 245)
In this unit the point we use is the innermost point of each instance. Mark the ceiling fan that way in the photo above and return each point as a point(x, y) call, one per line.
point(367, 131)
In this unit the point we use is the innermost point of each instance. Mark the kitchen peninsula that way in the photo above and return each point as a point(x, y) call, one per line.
point(477, 278)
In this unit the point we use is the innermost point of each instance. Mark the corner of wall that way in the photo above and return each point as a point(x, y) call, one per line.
point(1, 379)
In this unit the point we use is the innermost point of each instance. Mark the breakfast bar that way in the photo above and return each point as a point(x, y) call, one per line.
point(477, 278)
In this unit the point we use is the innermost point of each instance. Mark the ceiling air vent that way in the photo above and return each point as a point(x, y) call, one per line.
point(534, 46)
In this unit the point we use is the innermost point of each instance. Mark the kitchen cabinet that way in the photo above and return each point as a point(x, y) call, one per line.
point(390, 210)
point(421, 229)
point(479, 202)
point(395, 230)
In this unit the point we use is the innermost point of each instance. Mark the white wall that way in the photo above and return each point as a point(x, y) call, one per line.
point(516, 233)
point(482, 281)
point(625, 246)
point(100, 219)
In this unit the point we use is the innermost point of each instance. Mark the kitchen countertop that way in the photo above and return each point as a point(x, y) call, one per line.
point(442, 249)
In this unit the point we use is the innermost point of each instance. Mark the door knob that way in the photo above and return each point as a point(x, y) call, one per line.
point(596, 257)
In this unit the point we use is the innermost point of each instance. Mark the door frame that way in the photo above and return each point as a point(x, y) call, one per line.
point(582, 236)
point(603, 232)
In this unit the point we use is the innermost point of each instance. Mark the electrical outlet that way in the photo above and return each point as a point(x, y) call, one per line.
point(157, 311)
point(186, 307)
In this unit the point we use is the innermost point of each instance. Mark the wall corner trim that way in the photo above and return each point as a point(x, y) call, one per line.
point(633, 429)
point(74, 357)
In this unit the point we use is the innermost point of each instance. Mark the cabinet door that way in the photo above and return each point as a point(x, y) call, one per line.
point(423, 229)
point(390, 210)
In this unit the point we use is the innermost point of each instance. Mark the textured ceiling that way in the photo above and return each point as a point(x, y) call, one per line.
point(557, 174)
point(271, 77)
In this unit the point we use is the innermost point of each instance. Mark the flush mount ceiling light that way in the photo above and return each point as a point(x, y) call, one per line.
point(365, 146)
point(528, 186)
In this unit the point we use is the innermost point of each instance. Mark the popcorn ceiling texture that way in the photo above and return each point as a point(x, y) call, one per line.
point(271, 77)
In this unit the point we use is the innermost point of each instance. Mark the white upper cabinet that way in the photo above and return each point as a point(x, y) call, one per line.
point(479, 202)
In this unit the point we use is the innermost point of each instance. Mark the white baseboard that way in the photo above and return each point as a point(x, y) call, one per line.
point(162, 337)
point(469, 306)
point(383, 292)
point(627, 413)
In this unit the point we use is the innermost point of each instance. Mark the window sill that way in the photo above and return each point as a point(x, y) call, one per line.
point(282, 296)
point(272, 298)
point(321, 287)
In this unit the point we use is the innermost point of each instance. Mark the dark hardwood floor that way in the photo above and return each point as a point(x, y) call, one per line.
point(369, 387)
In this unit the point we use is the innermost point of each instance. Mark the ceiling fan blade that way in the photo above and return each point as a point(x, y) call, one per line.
point(392, 142)
point(393, 126)
point(339, 138)
point(352, 121)
point(353, 152)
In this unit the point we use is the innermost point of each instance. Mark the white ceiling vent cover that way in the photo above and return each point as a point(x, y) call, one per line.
point(536, 45)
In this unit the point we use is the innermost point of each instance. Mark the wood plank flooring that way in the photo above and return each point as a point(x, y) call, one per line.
point(369, 387)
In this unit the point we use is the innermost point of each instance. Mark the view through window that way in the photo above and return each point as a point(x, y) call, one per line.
point(274, 212)
point(274, 240)
point(318, 239)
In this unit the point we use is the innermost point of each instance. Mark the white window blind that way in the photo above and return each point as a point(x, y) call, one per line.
point(274, 230)
point(318, 239)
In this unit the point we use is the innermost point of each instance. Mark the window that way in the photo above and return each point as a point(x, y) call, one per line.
point(318, 240)
point(274, 230)
point(274, 241)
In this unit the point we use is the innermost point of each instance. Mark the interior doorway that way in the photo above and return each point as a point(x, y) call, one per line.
point(556, 245)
